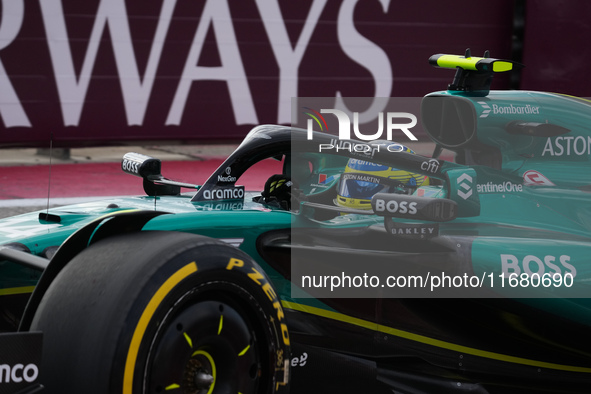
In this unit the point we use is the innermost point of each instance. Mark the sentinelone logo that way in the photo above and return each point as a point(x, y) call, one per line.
point(345, 124)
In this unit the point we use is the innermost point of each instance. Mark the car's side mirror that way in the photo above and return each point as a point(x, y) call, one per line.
point(148, 168)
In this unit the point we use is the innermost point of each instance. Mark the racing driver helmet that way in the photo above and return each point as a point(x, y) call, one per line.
point(362, 179)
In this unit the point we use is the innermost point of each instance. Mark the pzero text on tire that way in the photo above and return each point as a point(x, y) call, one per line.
point(163, 312)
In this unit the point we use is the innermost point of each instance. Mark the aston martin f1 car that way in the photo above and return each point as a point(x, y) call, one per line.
point(465, 276)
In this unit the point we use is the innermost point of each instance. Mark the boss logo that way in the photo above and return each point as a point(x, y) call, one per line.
point(393, 206)
point(531, 264)
point(414, 207)
point(130, 166)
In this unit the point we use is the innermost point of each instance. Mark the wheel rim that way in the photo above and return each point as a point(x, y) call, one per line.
point(206, 348)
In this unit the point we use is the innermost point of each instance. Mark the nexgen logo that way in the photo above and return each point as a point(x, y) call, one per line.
point(18, 372)
point(345, 125)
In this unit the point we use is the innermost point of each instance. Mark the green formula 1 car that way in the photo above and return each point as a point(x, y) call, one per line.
point(360, 268)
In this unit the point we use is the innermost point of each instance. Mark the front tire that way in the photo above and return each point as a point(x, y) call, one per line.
point(163, 312)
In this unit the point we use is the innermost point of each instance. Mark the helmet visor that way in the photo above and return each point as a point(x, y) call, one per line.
point(362, 186)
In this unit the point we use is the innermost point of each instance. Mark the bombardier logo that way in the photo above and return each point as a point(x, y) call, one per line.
point(515, 109)
point(486, 108)
point(507, 109)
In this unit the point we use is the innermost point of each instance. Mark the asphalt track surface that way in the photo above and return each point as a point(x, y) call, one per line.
point(26, 188)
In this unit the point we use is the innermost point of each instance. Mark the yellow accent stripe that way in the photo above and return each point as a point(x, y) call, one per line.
point(29, 289)
point(430, 341)
point(573, 97)
point(188, 339)
point(221, 324)
point(17, 290)
point(142, 325)
point(244, 351)
point(172, 387)
point(113, 214)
